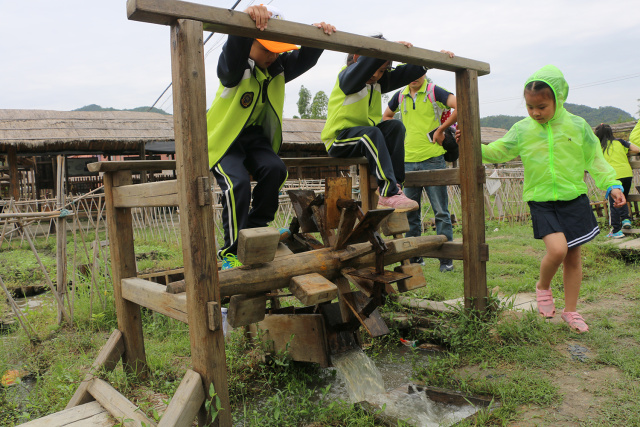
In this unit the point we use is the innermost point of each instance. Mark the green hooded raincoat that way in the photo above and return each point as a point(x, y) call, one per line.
point(555, 154)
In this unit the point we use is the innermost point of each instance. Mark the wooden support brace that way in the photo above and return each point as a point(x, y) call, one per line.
point(185, 403)
point(107, 359)
point(257, 245)
point(205, 196)
point(246, 309)
point(312, 289)
point(118, 405)
point(415, 281)
point(395, 224)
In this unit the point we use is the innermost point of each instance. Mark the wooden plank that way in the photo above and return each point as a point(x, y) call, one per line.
point(123, 265)
point(368, 196)
point(450, 176)
point(415, 281)
point(396, 223)
point(257, 245)
point(118, 405)
point(324, 161)
point(89, 414)
point(185, 403)
point(196, 222)
point(246, 309)
point(107, 359)
point(633, 198)
point(453, 250)
point(132, 165)
point(215, 315)
point(471, 188)
point(301, 335)
point(153, 295)
point(336, 188)
point(312, 289)
point(161, 193)
point(228, 21)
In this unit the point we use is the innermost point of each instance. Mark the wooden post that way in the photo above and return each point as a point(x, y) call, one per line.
point(196, 222)
point(123, 265)
point(61, 235)
point(14, 178)
point(471, 189)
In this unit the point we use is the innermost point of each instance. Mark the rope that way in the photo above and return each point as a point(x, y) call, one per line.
point(64, 212)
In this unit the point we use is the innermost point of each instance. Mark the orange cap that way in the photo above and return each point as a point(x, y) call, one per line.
point(277, 47)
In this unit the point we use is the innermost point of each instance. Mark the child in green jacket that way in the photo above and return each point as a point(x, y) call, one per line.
point(556, 148)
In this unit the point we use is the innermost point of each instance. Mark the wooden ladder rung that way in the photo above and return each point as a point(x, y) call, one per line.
point(161, 193)
point(154, 296)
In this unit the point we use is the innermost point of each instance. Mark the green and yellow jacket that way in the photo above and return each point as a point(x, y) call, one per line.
point(353, 102)
point(634, 137)
point(555, 154)
point(243, 86)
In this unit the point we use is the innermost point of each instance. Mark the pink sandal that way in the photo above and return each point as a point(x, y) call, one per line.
point(544, 299)
point(575, 321)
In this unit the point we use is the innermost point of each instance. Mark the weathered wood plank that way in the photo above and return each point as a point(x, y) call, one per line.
point(302, 336)
point(246, 309)
point(450, 176)
point(161, 193)
point(185, 403)
point(118, 405)
point(323, 161)
point(228, 21)
point(257, 245)
point(89, 414)
point(396, 223)
point(123, 265)
point(472, 192)
point(154, 296)
point(107, 359)
point(132, 165)
point(415, 281)
point(312, 289)
point(335, 189)
point(453, 250)
point(196, 222)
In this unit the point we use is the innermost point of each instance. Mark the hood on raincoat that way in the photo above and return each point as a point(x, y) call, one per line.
point(551, 75)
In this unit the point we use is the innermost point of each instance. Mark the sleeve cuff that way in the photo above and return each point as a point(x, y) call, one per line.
point(606, 196)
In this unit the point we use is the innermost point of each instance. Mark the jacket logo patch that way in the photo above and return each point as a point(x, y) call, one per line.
point(246, 99)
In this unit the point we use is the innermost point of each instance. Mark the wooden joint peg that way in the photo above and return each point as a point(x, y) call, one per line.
point(312, 289)
point(205, 196)
point(257, 245)
point(214, 316)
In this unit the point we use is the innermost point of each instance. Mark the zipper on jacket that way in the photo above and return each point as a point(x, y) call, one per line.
point(552, 168)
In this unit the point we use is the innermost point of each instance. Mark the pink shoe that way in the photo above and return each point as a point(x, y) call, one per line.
point(399, 202)
point(575, 321)
point(545, 303)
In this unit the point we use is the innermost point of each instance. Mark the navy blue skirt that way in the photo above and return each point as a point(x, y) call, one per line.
point(574, 218)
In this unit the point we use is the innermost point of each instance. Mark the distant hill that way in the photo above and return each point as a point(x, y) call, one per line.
point(94, 107)
point(593, 116)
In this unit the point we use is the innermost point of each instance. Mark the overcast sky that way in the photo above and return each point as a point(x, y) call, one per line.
point(65, 54)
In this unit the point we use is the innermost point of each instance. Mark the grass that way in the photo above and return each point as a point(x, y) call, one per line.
point(519, 359)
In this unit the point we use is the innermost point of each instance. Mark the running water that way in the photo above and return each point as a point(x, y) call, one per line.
point(361, 376)
point(363, 380)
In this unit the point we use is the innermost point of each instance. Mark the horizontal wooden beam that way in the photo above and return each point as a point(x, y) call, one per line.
point(633, 198)
point(118, 405)
point(432, 177)
point(160, 193)
point(153, 296)
point(453, 250)
point(132, 165)
point(228, 21)
point(324, 161)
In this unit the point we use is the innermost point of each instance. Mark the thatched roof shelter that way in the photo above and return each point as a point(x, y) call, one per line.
point(39, 132)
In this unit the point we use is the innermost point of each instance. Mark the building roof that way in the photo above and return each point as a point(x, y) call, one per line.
point(43, 131)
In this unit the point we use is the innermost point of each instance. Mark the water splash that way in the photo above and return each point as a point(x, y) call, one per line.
point(361, 376)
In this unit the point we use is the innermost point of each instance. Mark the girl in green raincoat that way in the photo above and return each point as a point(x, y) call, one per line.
point(556, 147)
